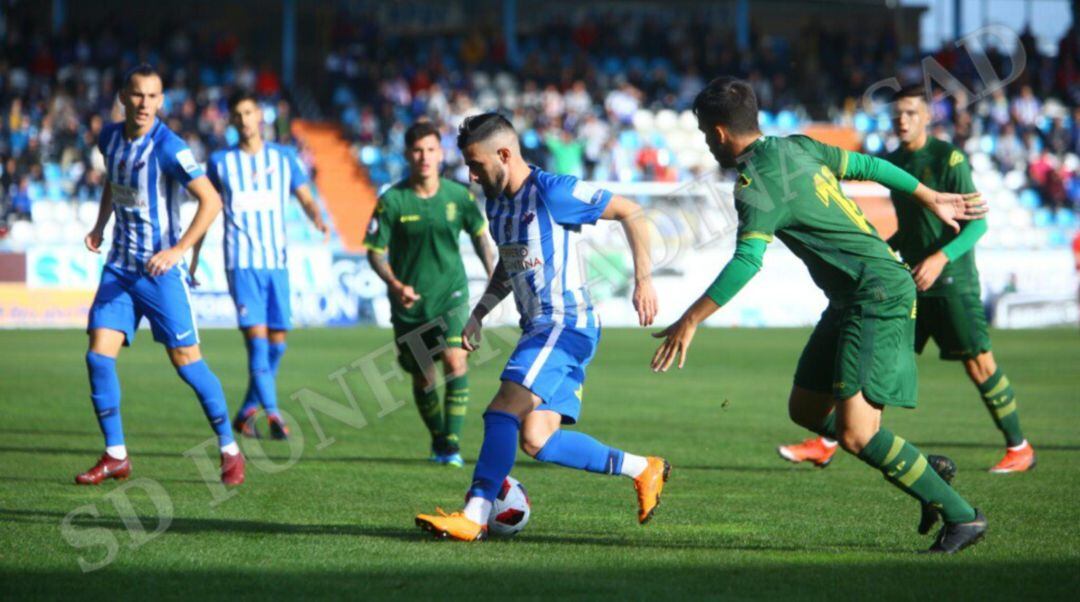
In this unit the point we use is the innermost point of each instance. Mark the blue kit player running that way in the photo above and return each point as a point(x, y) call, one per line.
point(145, 275)
point(256, 179)
point(536, 218)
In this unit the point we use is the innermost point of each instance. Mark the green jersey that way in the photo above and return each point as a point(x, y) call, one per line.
point(943, 167)
point(422, 239)
point(789, 187)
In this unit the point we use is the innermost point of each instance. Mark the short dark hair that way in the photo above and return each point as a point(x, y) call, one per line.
point(730, 102)
point(419, 131)
point(911, 91)
point(142, 70)
point(479, 128)
point(240, 96)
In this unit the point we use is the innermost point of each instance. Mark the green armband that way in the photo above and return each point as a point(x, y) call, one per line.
point(743, 266)
point(965, 241)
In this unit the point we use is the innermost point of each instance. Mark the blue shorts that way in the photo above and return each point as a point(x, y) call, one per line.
point(124, 297)
point(551, 363)
point(261, 297)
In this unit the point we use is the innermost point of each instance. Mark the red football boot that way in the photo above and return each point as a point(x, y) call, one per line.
point(107, 467)
point(232, 468)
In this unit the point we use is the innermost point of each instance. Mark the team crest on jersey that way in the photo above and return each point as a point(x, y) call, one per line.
point(956, 158)
point(269, 171)
point(528, 218)
point(451, 212)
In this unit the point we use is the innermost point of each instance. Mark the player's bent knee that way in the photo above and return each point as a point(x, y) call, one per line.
point(182, 356)
point(981, 367)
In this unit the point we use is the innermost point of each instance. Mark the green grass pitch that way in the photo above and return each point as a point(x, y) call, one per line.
point(736, 521)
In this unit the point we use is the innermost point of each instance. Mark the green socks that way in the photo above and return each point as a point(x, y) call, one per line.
point(997, 394)
point(457, 404)
point(904, 466)
point(828, 427)
point(430, 410)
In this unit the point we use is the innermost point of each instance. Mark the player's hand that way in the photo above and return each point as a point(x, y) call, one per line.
point(953, 208)
point(406, 295)
point(677, 338)
point(93, 241)
point(927, 271)
point(163, 261)
point(321, 226)
point(645, 301)
point(470, 335)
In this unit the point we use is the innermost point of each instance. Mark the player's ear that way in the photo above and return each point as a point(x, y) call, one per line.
point(504, 155)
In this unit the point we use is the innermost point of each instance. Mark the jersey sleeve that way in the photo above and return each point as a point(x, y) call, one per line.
point(850, 165)
point(378, 232)
point(298, 175)
point(759, 217)
point(212, 167)
point(744, 265)
point(472, 219)
point(178, 162)
point(103, 138)
point(573, 202)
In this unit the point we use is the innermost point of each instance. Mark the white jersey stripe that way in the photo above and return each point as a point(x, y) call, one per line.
point(541, 358)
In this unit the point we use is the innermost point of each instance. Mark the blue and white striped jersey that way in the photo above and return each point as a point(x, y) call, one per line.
point(254, 189)
point(538, 232)
point(144, 179)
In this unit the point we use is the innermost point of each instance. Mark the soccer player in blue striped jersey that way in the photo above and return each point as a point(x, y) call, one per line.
point(535, 218)
point(256, 179)
point(145, 274)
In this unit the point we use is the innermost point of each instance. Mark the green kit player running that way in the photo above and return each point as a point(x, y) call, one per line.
point(950, 310)
point(417, 223)
point(860, 357)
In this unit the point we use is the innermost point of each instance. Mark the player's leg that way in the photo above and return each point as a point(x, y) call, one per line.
point(860, 433)
point(424, 375)
point(502, 423)
point(248, 294)
point(166, 302)
point(998, 396)
point(456, 405)
point(112, 323)
point(278, 322)
point(810, 404)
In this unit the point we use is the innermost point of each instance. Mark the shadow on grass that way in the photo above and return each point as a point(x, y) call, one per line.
point(186, 526)
point(96, 433)
point(996, 446)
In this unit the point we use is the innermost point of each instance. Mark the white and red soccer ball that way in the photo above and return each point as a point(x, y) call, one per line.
point(510, 509)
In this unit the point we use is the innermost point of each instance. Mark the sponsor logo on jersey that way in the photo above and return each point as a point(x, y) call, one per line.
point(451, 212)
point(519, 258)
point(187, 161)
point(409, 218)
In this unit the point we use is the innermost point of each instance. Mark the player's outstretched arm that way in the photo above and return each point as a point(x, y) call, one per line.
point(497, 289)
point(744, 265)
point(209, 207)
point(630, 215)
point(311, 209)
point(96, 235)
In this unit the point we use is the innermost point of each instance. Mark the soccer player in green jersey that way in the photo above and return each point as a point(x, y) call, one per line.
point(950, 310)
point(860, 357)
point(413, 246)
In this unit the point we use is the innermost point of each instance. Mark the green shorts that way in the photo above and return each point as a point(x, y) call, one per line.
point(428, 339)
point(956, 322)
point(867, 347)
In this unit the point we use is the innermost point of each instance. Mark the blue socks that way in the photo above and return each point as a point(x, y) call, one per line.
point(208, 388)
point(578, 450)
point(497, 454)
point(105, 394)
point(263, 360)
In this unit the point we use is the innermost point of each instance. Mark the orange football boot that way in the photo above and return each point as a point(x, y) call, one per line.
point(811, 450)
point(649, 484)
point(452, 526)
point(1018, 459)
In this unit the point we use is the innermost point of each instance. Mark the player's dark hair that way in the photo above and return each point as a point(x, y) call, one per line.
point(419, 131)
point(142, 70)
point(911, 91)
point(730, 102)
point(240, 96)
point(479, 128)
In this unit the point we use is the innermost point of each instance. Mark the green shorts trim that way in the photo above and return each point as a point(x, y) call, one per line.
point(956, 322)
point(428, 339)
point(868, 348)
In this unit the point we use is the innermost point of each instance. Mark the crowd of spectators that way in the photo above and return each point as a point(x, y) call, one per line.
point(57, 90)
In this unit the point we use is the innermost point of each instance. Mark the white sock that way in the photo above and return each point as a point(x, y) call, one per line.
point(830, 443)
point(231, 449)
point(477, 509)
point(633, 466)
point(1019, 447)
point(118, 452)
